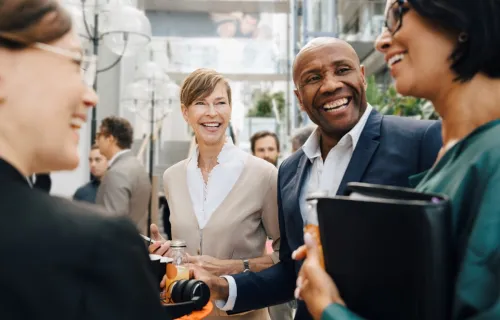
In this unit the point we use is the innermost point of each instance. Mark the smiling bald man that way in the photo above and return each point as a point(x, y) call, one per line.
point(352, 143)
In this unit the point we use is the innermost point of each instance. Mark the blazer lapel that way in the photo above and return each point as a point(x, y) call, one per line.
point(367, 145)
point(183, 185)
point(298, 182)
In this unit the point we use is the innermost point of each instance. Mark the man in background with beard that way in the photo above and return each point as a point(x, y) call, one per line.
point(266, 145)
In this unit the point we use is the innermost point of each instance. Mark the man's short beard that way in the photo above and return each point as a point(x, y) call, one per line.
point(273, 162)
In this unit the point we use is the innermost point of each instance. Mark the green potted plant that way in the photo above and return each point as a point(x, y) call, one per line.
point(263, 106)
point(392, 103)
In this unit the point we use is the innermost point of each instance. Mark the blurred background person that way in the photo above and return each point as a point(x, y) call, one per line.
point(43, 103)
point(125, 188)
point(248, 23)
point(226, 24)
point(232, 194)
point(300, 137)
point(266, 145)
point(98, 166)
point(453, 63)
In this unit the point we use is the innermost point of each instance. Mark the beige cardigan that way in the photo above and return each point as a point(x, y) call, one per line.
point(238, 228)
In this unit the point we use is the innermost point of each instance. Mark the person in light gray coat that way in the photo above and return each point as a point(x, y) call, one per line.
point(125, 188)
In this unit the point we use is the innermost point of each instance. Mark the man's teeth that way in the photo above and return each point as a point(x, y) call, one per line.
point(76, 123)
point(337, 104)
point(213, 125)
point(395, 59)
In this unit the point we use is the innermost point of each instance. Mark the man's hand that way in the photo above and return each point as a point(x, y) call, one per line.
point(216, 266)
point(160, 246)
point(219, 287)
point(314, 285)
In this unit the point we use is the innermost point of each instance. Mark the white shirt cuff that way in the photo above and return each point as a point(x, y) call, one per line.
point(231, 300)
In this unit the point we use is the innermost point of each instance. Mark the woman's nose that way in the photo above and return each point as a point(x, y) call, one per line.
point(384, 40)
point(90, 98)
point(211, 109)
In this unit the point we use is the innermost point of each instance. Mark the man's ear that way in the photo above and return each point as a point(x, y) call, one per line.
point(112, 139)
point(298, 98)
point(362, 70)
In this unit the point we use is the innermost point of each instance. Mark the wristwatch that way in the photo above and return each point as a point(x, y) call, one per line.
point(246, 266)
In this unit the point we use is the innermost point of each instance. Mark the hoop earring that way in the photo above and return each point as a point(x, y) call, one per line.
point(463, 37)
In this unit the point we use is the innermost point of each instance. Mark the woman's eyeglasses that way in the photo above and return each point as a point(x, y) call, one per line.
point(88, 64)
point(394, 17)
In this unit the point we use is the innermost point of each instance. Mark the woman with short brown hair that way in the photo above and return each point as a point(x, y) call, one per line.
point(222, 200)
point(60, 260)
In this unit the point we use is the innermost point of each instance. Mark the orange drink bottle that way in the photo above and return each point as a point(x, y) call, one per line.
point(311, 223)
point(177, 269)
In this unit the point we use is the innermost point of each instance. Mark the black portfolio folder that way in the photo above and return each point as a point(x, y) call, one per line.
point(387, 249)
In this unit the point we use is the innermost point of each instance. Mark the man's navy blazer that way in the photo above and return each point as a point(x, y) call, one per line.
point(389, 150)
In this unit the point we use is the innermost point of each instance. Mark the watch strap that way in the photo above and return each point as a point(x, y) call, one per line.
point(246, 265)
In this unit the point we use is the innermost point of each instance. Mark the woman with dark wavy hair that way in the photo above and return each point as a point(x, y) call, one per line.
point(60, 260)
point(446, 51)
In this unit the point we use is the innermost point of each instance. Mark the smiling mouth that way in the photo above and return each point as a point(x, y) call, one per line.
point(395, 59)
point(76, 123)
point(337, 105)
point(211, 125)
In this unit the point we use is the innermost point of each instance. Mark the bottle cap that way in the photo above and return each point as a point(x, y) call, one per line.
point(178, 244)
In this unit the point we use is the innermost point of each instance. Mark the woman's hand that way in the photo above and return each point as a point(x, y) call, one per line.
point(216, 266)
point(160, 246)
point(314, 285)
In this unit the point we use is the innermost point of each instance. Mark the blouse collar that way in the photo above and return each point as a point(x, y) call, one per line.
point(227, 153)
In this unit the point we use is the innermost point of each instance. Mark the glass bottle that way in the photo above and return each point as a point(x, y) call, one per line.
point(311, 224)
point(177, 269)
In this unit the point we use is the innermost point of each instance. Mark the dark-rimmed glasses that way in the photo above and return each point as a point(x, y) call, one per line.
point(394, 17)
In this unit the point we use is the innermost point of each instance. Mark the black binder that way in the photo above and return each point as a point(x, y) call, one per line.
point(388, 251)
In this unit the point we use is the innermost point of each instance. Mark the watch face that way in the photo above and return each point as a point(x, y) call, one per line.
point(246, 266)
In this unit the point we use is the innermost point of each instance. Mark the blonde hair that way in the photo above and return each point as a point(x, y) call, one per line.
point(200, 84)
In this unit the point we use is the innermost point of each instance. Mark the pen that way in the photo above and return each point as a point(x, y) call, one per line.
point(147, 238)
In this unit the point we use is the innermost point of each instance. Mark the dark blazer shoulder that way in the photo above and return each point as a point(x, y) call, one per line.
point(86, 221)
point(289, 166)
point(67, 222)
point(294, 158)
point(408, 125)
point(423, 135)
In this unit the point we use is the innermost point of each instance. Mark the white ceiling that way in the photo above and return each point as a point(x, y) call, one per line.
point(218, 6)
